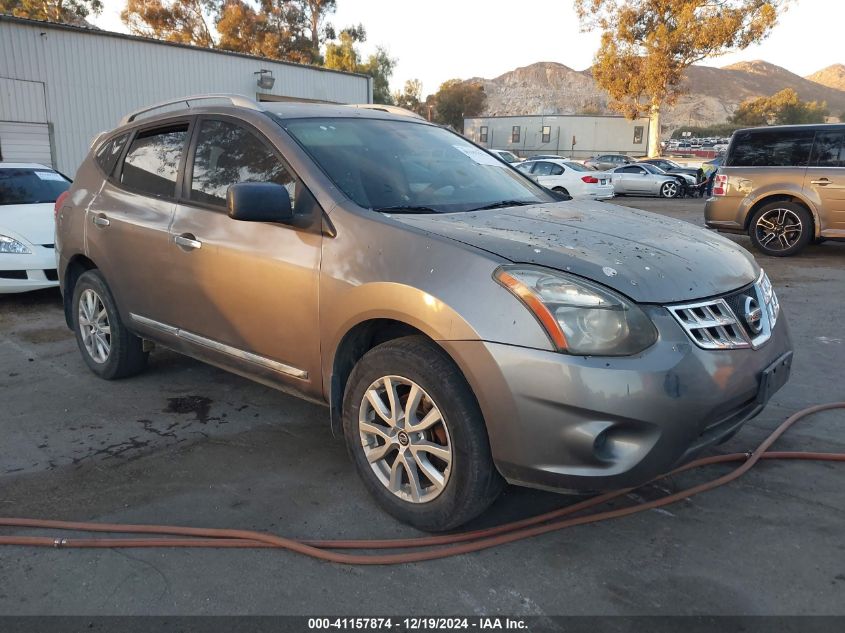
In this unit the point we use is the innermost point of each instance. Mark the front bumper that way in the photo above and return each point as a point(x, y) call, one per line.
point(33, 271)
point(574, 423)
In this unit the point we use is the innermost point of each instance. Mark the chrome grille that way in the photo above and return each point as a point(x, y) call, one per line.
point(721, 323)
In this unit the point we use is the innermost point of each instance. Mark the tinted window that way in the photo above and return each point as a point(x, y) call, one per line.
point(109, 153)
point(227, 154)
point(771, 148)
point(525, 167)
point(557, 170)
point(543, 168)
point(829, 150)
point(631, 170)
point(30, 186)
point(153, 160)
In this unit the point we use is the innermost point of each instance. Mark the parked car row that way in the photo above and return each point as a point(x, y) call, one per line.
point(27, 194)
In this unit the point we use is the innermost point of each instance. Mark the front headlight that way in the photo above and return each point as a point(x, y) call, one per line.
point(579, 316)
point(12, 247)
point(770, 299)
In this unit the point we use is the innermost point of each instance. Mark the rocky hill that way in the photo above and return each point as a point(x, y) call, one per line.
point(712, 94)
point(832, 77)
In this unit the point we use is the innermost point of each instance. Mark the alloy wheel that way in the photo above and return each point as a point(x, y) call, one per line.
point(669, 189)
point(779, 229)
point(405, 439)
point(94, 326)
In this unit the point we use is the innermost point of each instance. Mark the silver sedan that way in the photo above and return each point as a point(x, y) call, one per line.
point(644, 180)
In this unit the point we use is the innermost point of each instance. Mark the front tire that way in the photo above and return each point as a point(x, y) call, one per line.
point(417, 437)
point(781, 229)
point(108, 348)
point(670, 189)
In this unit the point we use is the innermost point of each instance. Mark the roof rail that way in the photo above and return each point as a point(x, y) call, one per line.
point(391, 109)
point(236, 100)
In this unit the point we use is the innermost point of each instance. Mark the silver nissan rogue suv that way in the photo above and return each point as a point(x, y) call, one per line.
point(464, 325)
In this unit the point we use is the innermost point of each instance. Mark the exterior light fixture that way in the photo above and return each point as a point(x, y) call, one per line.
point(265, 79)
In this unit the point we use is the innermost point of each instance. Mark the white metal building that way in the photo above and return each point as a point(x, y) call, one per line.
point(570, 135)
point(61, 85)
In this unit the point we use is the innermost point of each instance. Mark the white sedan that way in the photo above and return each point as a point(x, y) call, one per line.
point(570, 178)
point(28, 194)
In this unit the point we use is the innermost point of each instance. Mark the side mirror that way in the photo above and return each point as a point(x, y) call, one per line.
point(259, 202)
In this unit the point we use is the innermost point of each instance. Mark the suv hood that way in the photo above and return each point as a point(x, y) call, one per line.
point(647, 257)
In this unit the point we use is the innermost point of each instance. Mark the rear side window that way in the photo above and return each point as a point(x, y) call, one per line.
point(227, 154)
point(771, 148)
point(31, 186)
point(542, 168)
point(109, 153)
point(152, 163)
point(829, 150)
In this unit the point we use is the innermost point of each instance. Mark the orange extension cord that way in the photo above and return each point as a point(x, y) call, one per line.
point(425, 548)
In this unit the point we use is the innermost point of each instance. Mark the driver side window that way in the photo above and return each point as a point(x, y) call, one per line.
point(227, 154)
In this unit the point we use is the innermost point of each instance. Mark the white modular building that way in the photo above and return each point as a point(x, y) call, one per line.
point(61, 85)
point(568, 135)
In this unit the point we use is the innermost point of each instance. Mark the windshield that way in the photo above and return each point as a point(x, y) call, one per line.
point(577, 166)
point(30, 186)
point(399, 165)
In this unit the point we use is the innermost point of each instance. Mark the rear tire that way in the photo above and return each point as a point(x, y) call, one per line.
point(454, 448)
point(781, 229)
point(108, 348)
point(561, 190)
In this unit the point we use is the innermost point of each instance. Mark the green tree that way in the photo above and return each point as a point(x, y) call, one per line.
point(65, 11)
point(291, 30)
point(410, 97)
point(457, 99)
point(344, 55)
point(647, 44)
point(784, 107)
point(182, 21)
point(380, 67)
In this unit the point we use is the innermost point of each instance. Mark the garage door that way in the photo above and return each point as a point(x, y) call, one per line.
point(25, 143)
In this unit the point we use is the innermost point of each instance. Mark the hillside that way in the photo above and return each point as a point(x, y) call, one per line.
point(832, 77)
point(711, 93)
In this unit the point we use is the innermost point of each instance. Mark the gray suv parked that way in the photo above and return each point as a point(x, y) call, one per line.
point(463, 325)
point(783, 185)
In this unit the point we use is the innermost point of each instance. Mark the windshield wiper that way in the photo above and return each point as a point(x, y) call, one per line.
point(501, 204)
point(404, 208)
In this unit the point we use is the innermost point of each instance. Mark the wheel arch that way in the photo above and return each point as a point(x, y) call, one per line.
point(357, 341)
point(77, 265)
point(782, 197)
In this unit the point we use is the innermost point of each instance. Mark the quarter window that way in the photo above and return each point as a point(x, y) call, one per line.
point(152, 163)
point(547, 133)
point(829, 150)
point(227, 154)
point(482, 134)
point(109, 153)
point(515, 134)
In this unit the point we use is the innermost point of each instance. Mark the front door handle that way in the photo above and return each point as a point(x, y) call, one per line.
point(821, 181)
point(186, 240)
point(100, 220)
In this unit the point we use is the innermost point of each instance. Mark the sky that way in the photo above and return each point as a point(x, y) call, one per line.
point(438, 40)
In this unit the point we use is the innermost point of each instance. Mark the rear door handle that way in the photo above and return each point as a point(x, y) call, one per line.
point(821, 181)
point(100, 220)
point(186, 240)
